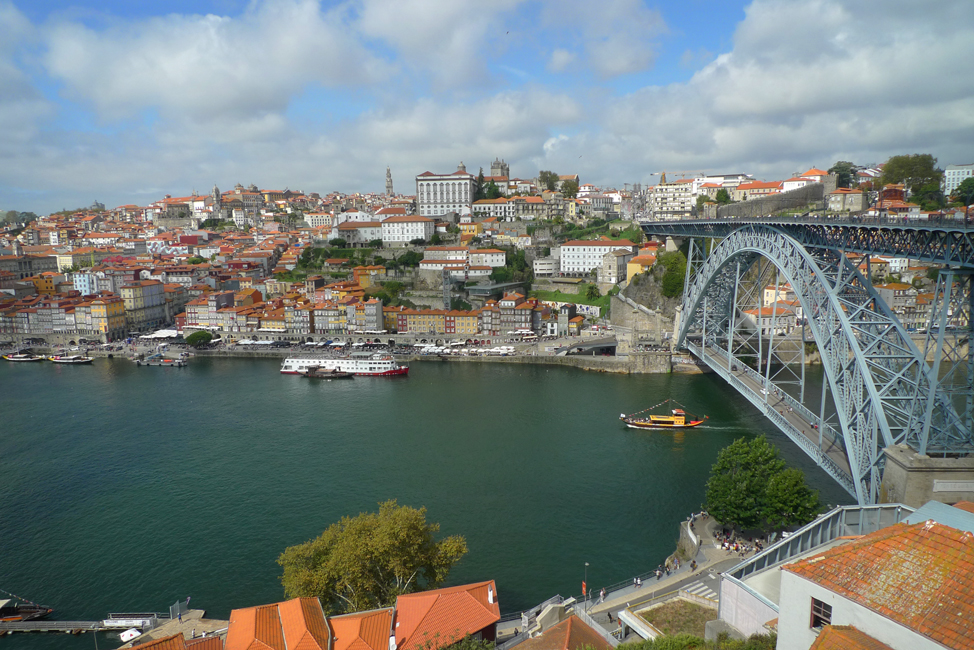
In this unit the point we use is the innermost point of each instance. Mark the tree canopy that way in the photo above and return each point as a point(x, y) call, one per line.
point(199, 339)
point(914, 171)
point(674, 266)
point(964, 192)
point(570, 188)
point(751, 487)
point(548, 180)
point(491, 191)
point(723, 197)
point(844, 171)
point(366, 561)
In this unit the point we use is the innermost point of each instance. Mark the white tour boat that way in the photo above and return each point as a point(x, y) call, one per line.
point(380, 364)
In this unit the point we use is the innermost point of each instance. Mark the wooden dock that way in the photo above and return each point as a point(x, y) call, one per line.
point(113, 622)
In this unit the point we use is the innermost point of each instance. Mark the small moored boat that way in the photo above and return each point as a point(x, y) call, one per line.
point(317, 372)
point(20, 356)
point(21, 609)
point(70, 358)
point(678, 418)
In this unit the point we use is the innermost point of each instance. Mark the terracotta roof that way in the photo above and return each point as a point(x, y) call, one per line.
point(294, 624)
point(920, 575)
point(645, 260)
point(405, 218)
point(966, 506)
point(598, 242)
point(362, 630)
point(174, 642)
point(846, 637)
point(570, 634)
point(437, 618)
point(815, 172)
point(205, 643)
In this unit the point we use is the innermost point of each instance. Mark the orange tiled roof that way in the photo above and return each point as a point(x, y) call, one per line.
point(920, 575)
point(443, 616)
point(174, 642)
point(846, 637)
point(362, 630)
point(966, 506)
point(570, 634)
point(297, 624)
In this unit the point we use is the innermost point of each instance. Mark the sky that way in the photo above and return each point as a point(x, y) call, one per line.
point(124, 102)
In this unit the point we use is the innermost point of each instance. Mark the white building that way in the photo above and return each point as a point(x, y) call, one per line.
point(502, 209)
point(360, 233)
point(545, 267)
point(319, 219)
point(438, 194)
point(488, 257)
point(582, 256)
point(614, 265)
point(672, 201)
point(399, 231)
point(954, 175)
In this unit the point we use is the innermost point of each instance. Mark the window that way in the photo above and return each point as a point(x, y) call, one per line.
point(821, 614)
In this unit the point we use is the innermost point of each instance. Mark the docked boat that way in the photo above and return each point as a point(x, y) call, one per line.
point(22, 610)
point(20, 356)
point(317, 372)
point(677, 418)
point(70, 358)
point(367, 364)
point(159, 360)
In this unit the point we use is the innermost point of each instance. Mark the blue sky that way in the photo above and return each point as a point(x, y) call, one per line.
point(126, 101)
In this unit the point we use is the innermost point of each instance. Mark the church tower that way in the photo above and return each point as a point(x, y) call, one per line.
point(389, 182)
point(500, 168)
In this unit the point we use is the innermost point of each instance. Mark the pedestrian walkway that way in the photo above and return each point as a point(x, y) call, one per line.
point(698, 588)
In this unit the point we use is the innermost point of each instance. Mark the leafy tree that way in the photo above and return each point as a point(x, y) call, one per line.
point(701, 200)
point(914, 171)
point(750, 487)
point(199, 339)
point(479, 189)
point(548, 180)
point(674, 267)
point(307, 255)
point(419, 241)
point(410, 258)
point(592, 292)
point(365, 562)
point(845, 171)
point(491, 191)
point(570, 188)
point(337, 242)
point(195, 260)
point(928, 196)
point(723, 197)
point(11, 216)
point(964, 192)
point(436, 239)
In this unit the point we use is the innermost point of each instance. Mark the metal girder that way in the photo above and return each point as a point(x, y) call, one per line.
point(946, 242)
point(878, 379)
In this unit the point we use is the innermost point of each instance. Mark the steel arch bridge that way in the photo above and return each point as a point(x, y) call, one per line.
point(882, 390)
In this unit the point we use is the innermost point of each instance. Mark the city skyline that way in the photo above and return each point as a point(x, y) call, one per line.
point(124, 104)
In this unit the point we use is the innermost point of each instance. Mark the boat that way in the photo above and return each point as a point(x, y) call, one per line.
point(678, 418)
point(366, 364)
point(20, 356)
point(159, 360)
point(70, 358)
point(22, 610)
point(317, 372)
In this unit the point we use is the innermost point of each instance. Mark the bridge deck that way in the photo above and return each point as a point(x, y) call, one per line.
point(794, 420)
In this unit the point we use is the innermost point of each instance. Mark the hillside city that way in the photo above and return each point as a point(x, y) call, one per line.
point(465, 256)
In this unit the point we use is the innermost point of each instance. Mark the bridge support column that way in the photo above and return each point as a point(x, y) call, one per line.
point(913, 478)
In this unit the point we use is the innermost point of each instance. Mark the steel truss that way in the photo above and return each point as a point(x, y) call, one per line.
point(940, 243)
point(876, 376)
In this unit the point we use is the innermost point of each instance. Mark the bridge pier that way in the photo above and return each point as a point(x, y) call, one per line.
point(913, 478)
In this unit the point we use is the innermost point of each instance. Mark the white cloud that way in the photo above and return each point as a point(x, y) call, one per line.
point(560, 60)
point(209, 67)
point(616, 35)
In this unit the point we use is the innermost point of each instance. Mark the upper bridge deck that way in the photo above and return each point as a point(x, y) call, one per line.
point(939, 241)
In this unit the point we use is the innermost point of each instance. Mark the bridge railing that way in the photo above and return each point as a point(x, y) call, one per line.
point(840, 474)
point(949, 222)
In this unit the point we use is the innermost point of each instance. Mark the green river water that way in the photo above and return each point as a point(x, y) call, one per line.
point(125, 488)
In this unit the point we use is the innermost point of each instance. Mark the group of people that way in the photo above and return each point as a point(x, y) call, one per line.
point(732, 544)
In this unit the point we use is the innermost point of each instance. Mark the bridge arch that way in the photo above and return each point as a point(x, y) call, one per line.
point(878, 379)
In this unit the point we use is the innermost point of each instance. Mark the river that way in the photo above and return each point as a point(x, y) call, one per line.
point(127, 488)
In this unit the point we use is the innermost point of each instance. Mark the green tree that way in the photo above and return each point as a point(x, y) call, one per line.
point(436, 239)
point(570, 188)
point(307, 255)
point(492, 191)
point(750, 487)
point(845, 172)
point(673, 266)
point(365, 562)
point(964, 192)
point(196, 259)
point(701, 200)
point(199, 339)
point(723, 197)
point(547, 180)
point(375, 243)
point(337, 242)
point(914, 171)
point(479, 188)
point(410, 258)
point(592, 292)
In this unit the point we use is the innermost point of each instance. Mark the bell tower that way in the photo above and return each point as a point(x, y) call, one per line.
point(389, 191)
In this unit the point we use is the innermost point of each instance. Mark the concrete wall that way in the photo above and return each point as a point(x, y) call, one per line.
point(914, 479)
point(742, 610)
point(646, 325)
point(766, 205)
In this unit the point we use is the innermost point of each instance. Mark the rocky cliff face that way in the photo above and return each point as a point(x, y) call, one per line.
point(645, 289)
